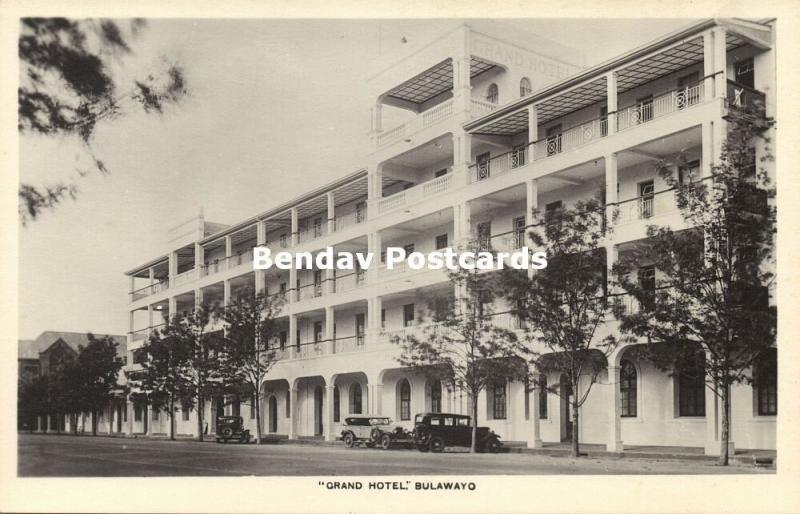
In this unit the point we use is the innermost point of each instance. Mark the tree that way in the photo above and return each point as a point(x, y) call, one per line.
point(70, 82)
point(164, 372)
point(714, 278)
point(460, 345)
point(34, 398)
point(198, 361)
point(562, 306)
point(249, 344)
point(94, 374)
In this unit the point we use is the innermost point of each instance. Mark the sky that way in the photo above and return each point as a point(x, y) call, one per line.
point(275, 108)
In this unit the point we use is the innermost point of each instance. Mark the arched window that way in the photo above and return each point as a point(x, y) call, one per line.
point(336, 415)
point(355, 398)
point(492, 94)
point(627, 389)
point(524, 87)
point(766, 383)
point(436, 396)
point(405, 400)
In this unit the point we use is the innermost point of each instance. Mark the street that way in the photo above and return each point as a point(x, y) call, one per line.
point(67, 455)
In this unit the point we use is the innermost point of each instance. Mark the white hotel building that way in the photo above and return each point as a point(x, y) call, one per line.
point(492, 129)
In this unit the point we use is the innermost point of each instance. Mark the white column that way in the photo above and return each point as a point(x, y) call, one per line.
point(173, 266)
point(614, 442)
point(295, 233)
point(611, 101)
point(533, 125)
point(199, 257)
point(374, 244)
point(226, 292)
point(149, 413)
point(375, 395)
point(132, 283)
point(329, 425)
point(720, 63)
point(292, 339)
point(531, 204)
point(292, 413)
point(329, 320)
point(172, 307)
point(331, 213)
point(537, 437)
point(152, 273)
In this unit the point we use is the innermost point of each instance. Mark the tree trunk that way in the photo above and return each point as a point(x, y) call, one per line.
point(94, 422)
point(474, 444)
point(257, 400)
point(575, 444)
point(199, 418)
point(725, 435)
point(171, 418)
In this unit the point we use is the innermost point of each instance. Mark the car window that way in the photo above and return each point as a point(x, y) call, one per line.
point(450, 422)
point(437, 421)
point(463, 422)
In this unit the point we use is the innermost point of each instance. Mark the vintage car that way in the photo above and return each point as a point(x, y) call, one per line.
point(434, 431)
point(231, 428)
point(372, 431)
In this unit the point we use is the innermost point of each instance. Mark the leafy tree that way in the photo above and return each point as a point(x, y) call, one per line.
point(94, 374)
point(68, 86)
point(714, 279)
point(164, 372)
point(460, 345)
point(34, 398)
point(562, 306)
point(249, 344)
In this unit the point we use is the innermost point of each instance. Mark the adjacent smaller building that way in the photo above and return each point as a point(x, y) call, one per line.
point(44, 355)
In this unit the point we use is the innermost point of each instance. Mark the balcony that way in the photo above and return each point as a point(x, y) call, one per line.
point(422, 121)
point(183, 278)
point(349, 220)
point(149, 290)
point(350, 281)
point(417, 193)
point(668, 103)
point(354, 343)
point(480, 107)
point(645, 207)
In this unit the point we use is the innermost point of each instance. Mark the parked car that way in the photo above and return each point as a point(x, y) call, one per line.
point(231, 428)
point(435, 431)
point(369, 431)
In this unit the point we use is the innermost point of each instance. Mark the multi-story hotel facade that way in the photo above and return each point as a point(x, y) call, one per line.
point(494, 124)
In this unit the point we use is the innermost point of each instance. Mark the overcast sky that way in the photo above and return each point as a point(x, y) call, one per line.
point(275, 108)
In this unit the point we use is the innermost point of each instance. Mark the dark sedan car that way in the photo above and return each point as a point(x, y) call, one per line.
point(435, 431)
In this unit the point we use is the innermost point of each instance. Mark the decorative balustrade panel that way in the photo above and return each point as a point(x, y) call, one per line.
point(416, 193)
point(350, 344)
point(423, 120)
point(646, 207)
point(479, 107)
point(660, 106)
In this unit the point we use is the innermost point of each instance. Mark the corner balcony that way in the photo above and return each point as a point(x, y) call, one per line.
point(582, 134)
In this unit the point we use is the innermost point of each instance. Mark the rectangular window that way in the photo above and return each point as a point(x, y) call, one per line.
point(282, 337)
point(554, 140)
point(482, 162)
point(317, 331)
point(603, 121)
point(692, 387)
point(745, 73)
point(297, 339)
point(647, 281)
point(283, 242)
point(137, 412)
point(644, 109)
point(317, 283)
point(518, 226)
point(484, 235)
point(360, 328)
point(688, 173)
point(408, 315)
point(361, 212)
point(383, 318)
point(552, 214)
point(518, 156)
point(499, 401)
point(125, 413)
point(441, 241)
point(646, 198)
point(185, 413)
point(317, 227)
point(542, 396)
point(155, 414)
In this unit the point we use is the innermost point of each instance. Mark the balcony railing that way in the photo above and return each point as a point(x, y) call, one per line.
point(645, 207)
point(312, 233)
point(350, 344)
point(312, 349)
point(184, 278)
point(416, 193)
point(480, 107)
point(423, 120)
point(659, 106)
point(741, 96)
point(350, 281)
point(148, 290)
point(310, 291)
point(348, 220)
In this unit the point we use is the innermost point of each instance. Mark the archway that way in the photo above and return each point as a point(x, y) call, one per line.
point(318, 401)
point(273, 415)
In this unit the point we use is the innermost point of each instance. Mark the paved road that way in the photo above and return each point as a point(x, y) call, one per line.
point(65, 455)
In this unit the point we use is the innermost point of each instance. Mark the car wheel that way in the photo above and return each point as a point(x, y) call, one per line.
point(375, 435)
point(227, 432)
point(436, 444)
point(386, 441)
point(422, 447)
point(349, 440)
point(494, 446)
